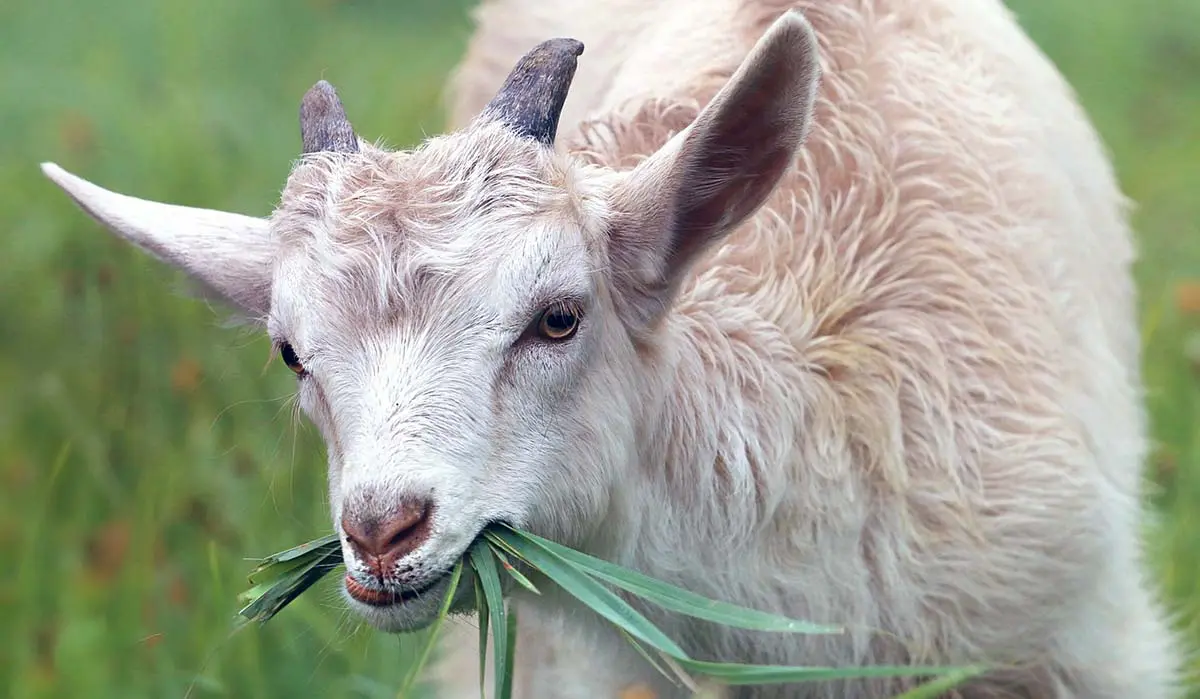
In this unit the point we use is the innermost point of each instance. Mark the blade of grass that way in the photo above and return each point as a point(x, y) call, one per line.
point(415, 669)
point(739, 674)
point(275, 572)
point(39, 518)
point(282, 592)
point(481, 607)
point(936, 688)
point(282, 577)
point(510, 646)
point(248, 596)
point(323, 544)
point(485, 568)
point(511, 569)
point(593, 594)
point(676, 674)
point(675, 598)
point(279, 566)
point(502, 544)
point(546, 559)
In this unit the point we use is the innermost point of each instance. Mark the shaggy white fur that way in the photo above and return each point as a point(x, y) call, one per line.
point(907, 391)
point(856, 341)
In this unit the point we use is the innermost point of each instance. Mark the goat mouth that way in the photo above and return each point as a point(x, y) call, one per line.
point(386, 598)
point(375, 597)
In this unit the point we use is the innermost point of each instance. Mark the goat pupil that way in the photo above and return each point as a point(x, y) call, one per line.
point(289, 355)
point(560, 321)
point(557, 323)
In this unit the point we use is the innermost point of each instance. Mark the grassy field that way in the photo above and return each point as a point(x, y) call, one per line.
point(145, 450)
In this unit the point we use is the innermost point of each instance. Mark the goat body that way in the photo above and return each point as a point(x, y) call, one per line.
point(819, 307)
point(905, 395)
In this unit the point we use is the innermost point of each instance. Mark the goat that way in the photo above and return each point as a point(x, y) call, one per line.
point(823, 308)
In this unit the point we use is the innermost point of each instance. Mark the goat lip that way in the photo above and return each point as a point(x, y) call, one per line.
point(374, 597)
point(385, 598)
point(366, 595)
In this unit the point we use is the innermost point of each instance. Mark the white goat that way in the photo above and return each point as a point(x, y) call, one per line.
point(888, 379)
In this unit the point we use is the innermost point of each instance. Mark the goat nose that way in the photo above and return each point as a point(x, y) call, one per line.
point(381, 541)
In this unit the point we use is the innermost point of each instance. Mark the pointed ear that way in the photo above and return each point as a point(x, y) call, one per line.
point(229, 254)
point(716, 173)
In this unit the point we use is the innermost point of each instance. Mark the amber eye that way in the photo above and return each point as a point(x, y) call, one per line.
point(558, 322)
point(290, 358)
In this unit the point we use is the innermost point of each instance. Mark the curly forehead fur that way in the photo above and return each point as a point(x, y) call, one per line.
point(376, 222)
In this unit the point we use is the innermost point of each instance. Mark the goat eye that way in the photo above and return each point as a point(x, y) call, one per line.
point(558, 322)
point(290, 358)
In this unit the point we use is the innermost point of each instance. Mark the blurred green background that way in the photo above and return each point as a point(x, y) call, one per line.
point(146, 450)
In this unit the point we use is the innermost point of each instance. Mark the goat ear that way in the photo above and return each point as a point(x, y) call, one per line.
point(717, 172)
point(229, 254)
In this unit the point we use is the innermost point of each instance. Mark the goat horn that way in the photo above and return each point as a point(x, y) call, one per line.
point(531, 99)
point(323, 123)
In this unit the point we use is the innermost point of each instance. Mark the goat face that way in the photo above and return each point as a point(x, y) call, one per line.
point(477, 325)
point(446, 313)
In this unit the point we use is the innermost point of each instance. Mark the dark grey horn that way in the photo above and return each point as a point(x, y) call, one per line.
point(532, 97)
point(323, 123)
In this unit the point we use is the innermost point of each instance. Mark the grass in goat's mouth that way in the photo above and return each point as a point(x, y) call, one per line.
point(502, 549)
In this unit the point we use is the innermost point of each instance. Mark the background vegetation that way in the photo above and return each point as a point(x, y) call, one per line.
point(145, 450)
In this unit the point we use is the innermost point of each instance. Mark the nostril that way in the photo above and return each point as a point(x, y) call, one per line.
point(403, 526)
point(355, 534)
point(391, 537)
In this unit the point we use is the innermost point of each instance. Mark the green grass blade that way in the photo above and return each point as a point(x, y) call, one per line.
point(503, 545)
point(322, 545)
point(279, 566)
point(248, 596)
point(592, 593)
point(647, 655)
point(269, 574)
point(510, 646)
point(512, 570)
point(677, 599)
point(286, 589)
point(485, 567)
point(284, 576)
point(415, 669)
point(936, 688)
point(563, 565)
point(739, 674)
point(481, 607)
point(673, 672)
point(281, 593)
